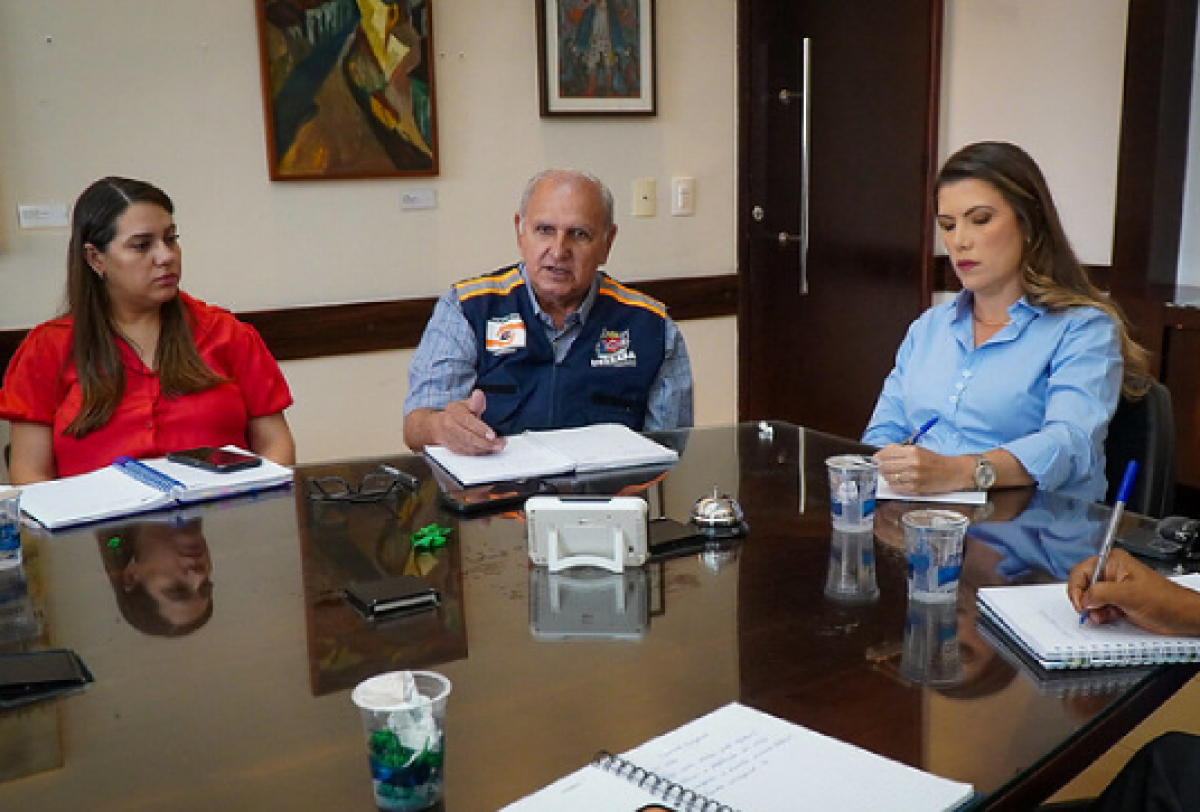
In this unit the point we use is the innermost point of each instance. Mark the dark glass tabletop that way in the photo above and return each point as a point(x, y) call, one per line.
point(224, 653)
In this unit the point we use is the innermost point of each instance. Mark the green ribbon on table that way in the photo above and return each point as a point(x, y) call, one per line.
point(430, 537)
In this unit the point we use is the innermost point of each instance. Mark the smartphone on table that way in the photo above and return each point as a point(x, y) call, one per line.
point(217, 460)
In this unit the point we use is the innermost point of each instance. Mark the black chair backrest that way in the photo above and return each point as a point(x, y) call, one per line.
point(1144, 430)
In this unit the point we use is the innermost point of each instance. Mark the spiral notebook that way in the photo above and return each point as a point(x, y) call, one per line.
point(130, 486)
point(1063, 682)
point(737, 759)
point(1041, 619)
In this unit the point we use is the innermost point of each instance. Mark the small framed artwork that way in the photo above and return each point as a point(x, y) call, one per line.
point(348, 88)
point(596, 57)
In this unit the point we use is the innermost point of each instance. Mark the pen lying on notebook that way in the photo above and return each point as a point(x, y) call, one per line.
point(919, 433)
point(1110, 534)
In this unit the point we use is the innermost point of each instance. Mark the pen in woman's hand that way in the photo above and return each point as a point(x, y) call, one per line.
point(919, 433)
point(1110, 534)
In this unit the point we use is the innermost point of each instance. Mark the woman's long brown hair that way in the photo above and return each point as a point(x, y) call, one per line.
point(97, 358)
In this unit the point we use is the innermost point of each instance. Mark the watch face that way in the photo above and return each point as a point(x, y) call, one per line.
point(985, 474)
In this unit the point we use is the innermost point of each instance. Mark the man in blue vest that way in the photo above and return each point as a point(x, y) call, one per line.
point(551, 342)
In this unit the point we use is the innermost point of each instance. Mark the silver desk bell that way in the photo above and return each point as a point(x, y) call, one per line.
point(719, 516)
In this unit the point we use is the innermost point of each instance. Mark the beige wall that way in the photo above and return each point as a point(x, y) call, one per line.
point(1048, 76)
point(168, 90)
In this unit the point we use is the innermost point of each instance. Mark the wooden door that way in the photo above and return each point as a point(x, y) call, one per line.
point(815, 350)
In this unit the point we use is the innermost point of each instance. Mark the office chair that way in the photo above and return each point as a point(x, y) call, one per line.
point(1144, 430)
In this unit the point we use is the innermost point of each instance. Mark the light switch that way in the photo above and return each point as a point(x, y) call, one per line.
point(683, 197)
point(643, 197)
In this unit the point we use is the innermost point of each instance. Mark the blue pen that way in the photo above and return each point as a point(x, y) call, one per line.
point(1110, 534)
point(148, 476)
point(919, 433)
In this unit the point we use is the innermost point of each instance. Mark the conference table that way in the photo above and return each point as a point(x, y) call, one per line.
point(224, 658)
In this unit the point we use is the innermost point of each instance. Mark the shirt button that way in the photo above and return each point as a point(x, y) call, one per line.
point(959, 386)
point(967, 373)
point(954, 398)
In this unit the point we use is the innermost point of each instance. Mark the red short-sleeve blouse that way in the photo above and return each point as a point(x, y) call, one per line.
point(42, 386)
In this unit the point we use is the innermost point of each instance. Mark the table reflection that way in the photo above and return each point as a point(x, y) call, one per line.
point(161, 574)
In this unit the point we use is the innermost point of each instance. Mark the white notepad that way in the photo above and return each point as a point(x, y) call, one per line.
point(111, 492)
point(737, 759)
point(884, 491)
point(1041, 619)
point(557, 452)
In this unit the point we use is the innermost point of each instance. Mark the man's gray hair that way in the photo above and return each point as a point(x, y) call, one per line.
point(575, 176)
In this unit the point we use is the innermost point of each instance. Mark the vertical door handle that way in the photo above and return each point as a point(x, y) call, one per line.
point(805, 159)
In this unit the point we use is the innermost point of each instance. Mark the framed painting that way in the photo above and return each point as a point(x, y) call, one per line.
point(596, 57)
point(348, 89)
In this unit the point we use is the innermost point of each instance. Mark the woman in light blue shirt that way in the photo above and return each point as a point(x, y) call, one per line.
point(1024, 368)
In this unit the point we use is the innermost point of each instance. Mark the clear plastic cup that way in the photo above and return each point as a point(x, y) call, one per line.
point(10, 527)
point(933, 540)
point(853, 479)
point(404, 719)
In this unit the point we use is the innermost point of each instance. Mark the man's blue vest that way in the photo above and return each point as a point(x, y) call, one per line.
point(605, 376)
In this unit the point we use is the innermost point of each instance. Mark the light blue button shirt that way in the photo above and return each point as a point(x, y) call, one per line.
point(1043, 388)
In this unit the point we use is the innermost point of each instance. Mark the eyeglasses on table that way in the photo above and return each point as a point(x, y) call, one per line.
point(374, 487)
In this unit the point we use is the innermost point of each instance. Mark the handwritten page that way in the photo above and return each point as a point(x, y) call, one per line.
point(559, 451)
point(521, 458)
point(749, 761)
point(606, 445)
point(755, 762)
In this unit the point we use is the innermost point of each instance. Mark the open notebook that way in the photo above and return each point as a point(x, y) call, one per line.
point(1041, 619)
point(128, 487)
point(737, 759)
point(556, 452)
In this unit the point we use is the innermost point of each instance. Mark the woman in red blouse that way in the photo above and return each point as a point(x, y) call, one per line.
point(136, 367)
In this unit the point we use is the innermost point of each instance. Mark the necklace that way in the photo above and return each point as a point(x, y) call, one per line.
point(987, 323)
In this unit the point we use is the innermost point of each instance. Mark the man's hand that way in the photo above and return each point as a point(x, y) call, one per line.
point(458, 427)
point(1130, 589)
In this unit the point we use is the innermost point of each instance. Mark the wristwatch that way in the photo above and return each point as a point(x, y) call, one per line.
point(985, 473)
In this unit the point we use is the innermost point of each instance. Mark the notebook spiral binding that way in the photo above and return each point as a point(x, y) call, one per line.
point(1126, 654)
point(658, 786)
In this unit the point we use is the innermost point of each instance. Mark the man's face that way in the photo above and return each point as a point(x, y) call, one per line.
point(564, 238)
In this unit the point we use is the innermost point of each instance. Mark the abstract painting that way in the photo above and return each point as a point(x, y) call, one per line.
point(348, 88)
point(596, 57)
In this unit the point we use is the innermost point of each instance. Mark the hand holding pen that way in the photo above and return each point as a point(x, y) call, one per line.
point(916, 436)
point(1110, 534)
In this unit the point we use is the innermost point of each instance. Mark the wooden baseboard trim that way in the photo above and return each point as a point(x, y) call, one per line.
point(322, 331)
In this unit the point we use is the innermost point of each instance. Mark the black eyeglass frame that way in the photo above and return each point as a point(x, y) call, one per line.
point(338, 488)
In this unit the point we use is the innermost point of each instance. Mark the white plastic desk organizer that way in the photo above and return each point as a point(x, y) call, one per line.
point(605, 532)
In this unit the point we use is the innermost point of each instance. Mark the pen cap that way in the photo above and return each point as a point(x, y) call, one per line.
point(1127, 481)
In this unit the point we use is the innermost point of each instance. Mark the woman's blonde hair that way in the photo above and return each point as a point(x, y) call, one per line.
point(1051, 274)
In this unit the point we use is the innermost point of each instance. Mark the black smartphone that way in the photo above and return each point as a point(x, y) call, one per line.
point(402, 593)
point(497, 496)
point(669, 538)
point(28, 676)
point(217, 460)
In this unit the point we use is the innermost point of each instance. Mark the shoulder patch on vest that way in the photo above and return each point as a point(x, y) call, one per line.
point(500, 283)
point(626, 295)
